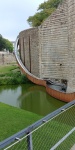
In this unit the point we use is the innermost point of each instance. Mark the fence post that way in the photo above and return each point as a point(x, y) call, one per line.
point(29, 141)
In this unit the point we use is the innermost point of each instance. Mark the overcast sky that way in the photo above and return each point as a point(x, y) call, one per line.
point(14, 15)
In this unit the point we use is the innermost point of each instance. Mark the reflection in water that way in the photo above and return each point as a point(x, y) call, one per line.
point(9, 95)
point(32, 98)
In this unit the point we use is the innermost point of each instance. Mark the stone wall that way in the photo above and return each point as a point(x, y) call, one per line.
point(29, 45)
point(49, 50)
point(71, 33)
point(7, 58)
point(54, 44)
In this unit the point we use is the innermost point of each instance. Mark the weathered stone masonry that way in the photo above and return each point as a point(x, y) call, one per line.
point(49, 50)
point(54, 44)
point(29, 45)
point(71, 43)
point(7, 58)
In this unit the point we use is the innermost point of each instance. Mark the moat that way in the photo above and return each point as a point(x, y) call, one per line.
point(32, 98)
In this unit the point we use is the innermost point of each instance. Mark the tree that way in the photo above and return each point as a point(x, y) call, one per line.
point(5, 44)
point(44, 10)
point(8, 45)
point(2, 43)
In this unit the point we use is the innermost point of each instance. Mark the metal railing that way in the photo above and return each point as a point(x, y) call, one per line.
point(55, 131)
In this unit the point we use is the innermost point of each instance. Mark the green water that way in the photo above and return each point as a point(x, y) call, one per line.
point(32, 98)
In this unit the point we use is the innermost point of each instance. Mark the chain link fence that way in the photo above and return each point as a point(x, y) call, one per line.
point(56, 133)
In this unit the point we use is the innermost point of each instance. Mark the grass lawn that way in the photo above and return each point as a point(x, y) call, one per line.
point(14, 119)
point(53, 131)
point(46, 136)
point(7, 68)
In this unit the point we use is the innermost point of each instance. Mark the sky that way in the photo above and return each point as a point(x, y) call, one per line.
point(14, 15)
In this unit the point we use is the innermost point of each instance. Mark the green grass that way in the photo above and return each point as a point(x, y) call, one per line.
point(14, 119)
point(11, 74)
point(53, 131)
point(5, 69)
point(50, 134)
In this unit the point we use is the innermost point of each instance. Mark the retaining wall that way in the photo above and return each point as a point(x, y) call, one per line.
point(7, 58)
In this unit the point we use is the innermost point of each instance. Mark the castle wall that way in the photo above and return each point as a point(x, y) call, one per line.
point(71, 32)
point(7, 58)
point(53, 37)
point(29, 44)
point(49, 50)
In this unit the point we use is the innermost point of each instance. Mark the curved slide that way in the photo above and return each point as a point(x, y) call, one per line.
point(67, 97)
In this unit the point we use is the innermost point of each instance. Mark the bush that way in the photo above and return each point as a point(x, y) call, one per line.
point(14, 78)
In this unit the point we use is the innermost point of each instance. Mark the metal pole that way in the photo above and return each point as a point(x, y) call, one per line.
point(29, 142)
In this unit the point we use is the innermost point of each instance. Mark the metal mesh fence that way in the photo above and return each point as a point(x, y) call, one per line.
point(57, 133)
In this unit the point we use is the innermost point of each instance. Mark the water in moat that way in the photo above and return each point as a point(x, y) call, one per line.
point(29, 97)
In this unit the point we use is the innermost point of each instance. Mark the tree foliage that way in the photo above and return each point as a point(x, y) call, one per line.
point(8, 45)
point(5, 44)
point(44, 10)
point(2, 43)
